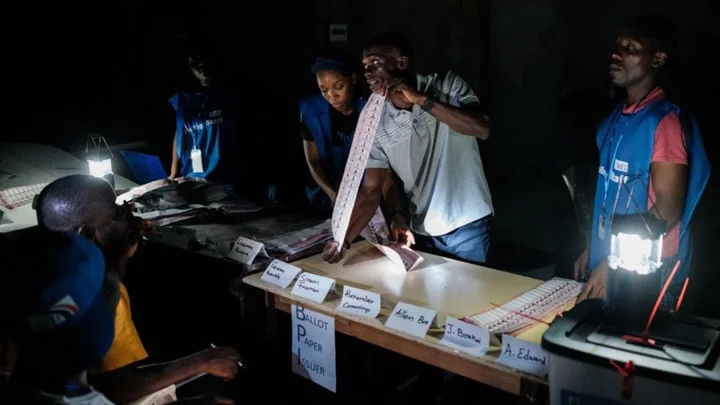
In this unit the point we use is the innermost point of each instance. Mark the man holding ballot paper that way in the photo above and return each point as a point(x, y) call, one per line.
point(426, 134)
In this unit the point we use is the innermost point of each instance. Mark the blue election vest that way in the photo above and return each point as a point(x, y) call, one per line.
point(626, 144)
point(205, 120)
point(315, 114)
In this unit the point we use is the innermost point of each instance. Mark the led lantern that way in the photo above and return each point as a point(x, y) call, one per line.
point(99, 158)
point(636, 243)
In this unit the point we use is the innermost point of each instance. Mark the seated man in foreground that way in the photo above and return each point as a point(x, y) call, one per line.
point(86, 205)
point(60, 318)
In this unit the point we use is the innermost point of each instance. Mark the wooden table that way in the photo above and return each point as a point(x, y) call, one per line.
point(448, 286)
point(25, 164)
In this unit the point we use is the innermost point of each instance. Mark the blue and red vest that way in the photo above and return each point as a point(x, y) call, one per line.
point(315, 113)
point(626, 144)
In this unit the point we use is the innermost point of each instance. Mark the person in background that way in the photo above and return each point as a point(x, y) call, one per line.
point(205, 133)
point(328, 119)
point(59, 317)
point(86, 205)
point(654, 147)
point(428, 136)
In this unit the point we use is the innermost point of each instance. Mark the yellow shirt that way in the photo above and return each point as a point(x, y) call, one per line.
point(126, 347)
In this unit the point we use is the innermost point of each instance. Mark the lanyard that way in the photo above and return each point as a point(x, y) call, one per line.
point(610, 164)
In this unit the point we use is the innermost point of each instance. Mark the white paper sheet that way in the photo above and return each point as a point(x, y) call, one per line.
point(313, 346)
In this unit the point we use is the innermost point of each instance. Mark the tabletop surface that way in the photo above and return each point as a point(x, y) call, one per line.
point(448, 286)
point(24, 164)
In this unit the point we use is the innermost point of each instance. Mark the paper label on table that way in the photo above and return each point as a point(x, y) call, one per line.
point(313, 346)
point(523, 356)
point(312, 287)
point(410, 319)
point(360, 302)
point(280, 273)
point(245, 250)
point(468, 338)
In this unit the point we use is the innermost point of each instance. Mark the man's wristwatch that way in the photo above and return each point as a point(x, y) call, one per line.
point(428, 104)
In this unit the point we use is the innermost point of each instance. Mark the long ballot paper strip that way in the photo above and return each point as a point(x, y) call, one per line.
point(376, 231)
point(528, 308)
point(355, 166)
point(313, 346)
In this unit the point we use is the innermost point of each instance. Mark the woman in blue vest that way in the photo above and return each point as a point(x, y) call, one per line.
point(652, 159)
point(328, 124)
point(205, 124)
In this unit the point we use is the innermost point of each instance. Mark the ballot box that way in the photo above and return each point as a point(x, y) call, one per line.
point(593, 362)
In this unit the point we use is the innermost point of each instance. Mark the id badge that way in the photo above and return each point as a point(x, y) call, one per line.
point(601, 227)
point(196, 158)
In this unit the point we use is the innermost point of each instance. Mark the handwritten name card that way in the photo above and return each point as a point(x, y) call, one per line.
point(280, 273)
point(360, 302)
point(465, 337)
point(410, 319)
point(523, 356)
point(312, 287)
point(245, 250)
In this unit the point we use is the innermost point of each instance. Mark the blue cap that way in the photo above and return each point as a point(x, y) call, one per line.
point(323, 63)
point(67, 324)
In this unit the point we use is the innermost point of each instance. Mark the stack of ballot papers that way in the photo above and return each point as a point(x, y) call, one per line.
point(300, 240)
point(530, 308)
point(164, 202)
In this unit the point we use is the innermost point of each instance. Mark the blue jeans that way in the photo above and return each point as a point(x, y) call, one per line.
point(469, 243)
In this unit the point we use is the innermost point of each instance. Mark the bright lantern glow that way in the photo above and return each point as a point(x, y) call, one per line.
point(100, 168)
point(633, 253)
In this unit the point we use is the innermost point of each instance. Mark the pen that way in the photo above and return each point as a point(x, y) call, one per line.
point(239, 363)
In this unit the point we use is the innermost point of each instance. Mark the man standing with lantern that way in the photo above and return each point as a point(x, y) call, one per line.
point(652, 160)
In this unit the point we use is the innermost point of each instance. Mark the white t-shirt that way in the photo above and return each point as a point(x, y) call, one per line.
point(441, 170)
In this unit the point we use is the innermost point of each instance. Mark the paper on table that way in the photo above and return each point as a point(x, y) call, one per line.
point(528, 308)
point(164, 396)
point(312, 287)
point(313, 346)
point(280, 273)
point(245, 250)
point(377, 233)
point(15, 197)
point(360, 302)
point(297, 241)
point(401, 255)
point(524, 356)
point(168, 212)
point(463, 336)
point(410, 319)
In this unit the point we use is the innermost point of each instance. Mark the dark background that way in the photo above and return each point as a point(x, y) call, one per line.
point(540, 66)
